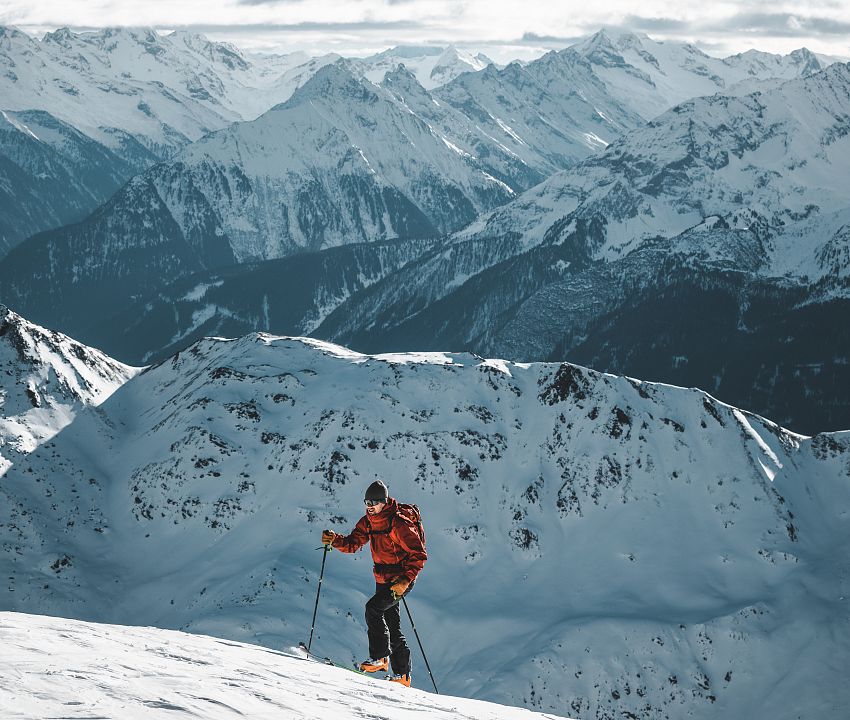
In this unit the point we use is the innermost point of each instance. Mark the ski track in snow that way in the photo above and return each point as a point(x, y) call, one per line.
point(58, 668)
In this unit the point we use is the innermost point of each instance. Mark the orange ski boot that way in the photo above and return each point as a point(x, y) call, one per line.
point(401, 679)
point(374, 665)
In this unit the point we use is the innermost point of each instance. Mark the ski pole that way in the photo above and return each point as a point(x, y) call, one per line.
point(413, 625)
point(326, 549)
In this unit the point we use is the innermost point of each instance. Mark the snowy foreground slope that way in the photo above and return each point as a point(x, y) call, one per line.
point(599, 547)
point(58, 668)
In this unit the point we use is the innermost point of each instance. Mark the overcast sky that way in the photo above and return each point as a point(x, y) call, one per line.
point(503, 28)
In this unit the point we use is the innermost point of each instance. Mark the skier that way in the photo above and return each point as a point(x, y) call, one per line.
point(398, 552)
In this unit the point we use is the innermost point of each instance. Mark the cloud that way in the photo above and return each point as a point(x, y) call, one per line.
point(657, 24)
point(512, 29)
point(268, 2)
point(768, 24)
point(307, 26)
point(534, 39)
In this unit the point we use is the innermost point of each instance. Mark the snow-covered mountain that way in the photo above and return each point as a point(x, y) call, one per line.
point(782, 154)
point(755, 185)
point(550, 112)
point(598, 546)
point(147, 674)
point(651, 76)
point(83, 112)
point(163, 90)
point(51, 174)
point(432, 66)
point(775, 162)
point(342, 161)
point(47, 379)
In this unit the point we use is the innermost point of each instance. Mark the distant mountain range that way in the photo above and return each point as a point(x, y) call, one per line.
point(140, 96)
point(728, 198)
point(651, 76)
point(517, 210)
point(131, 93)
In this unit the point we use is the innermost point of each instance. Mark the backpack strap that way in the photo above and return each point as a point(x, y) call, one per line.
point(380, 532)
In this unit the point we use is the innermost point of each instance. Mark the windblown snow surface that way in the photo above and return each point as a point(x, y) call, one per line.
point(108, 671)
point(600, 547)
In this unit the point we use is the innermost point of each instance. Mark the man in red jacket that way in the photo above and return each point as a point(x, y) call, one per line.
point(398, 552)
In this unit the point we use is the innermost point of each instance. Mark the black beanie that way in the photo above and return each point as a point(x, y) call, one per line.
point(377, 491)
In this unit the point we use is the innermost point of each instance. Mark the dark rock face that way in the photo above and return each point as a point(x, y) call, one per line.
point(289, 296)
point(784, 359)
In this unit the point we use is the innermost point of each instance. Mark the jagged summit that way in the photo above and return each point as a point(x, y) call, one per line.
point(336, 81)
point(83, 373)
point(651, 75)
point(432, 66)
point(47, 379)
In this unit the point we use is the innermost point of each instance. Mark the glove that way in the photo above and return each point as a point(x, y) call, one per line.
point(399, 588)
point(328, 537)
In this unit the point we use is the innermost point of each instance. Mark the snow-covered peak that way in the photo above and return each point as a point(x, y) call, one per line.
point(651, 76)
point(333, 82)
point(603, 44)
point(47, 377)
point(432, 66)
point(165, 90)
point(780, 153)
point(453, 62)
point(549, 113)
point(402, 78)
point(10, 34)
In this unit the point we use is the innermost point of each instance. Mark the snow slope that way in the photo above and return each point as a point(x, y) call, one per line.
point(598, 546)
point(55, 667)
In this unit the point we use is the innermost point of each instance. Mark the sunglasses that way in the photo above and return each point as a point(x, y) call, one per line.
point(372, 503)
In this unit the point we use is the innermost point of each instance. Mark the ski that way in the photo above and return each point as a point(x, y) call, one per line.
point(327, 661)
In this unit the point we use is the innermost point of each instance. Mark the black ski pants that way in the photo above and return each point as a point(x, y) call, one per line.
point(383, 621)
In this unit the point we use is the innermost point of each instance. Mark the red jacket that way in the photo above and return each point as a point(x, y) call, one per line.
point(395, 542)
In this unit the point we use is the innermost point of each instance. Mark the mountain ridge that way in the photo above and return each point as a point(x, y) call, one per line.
point(700, 535)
